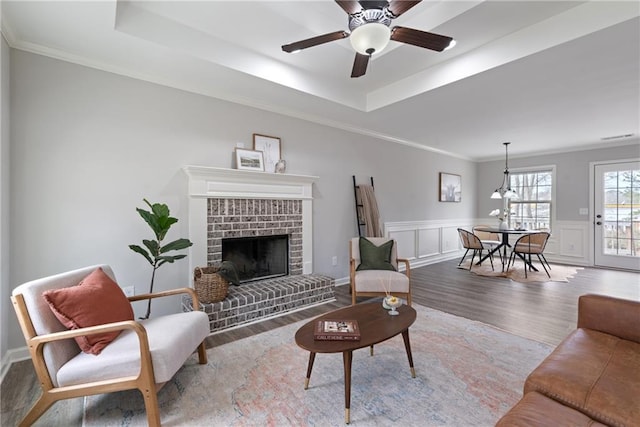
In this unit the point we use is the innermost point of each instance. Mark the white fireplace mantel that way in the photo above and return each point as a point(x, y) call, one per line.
point(210, 182)
point(228, 183)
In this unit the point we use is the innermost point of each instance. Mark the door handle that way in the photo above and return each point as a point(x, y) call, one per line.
point(598, 223)
point(598, 216)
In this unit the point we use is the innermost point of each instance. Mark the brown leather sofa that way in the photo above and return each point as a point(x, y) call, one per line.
point(593, 377)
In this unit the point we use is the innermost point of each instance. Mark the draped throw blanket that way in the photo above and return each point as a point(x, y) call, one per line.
point(370, 213)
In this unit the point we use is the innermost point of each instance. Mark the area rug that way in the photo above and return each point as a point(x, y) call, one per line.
point(467, 373)
point(558, 273)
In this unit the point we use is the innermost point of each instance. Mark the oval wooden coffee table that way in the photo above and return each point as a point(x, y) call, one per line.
point(376, 326)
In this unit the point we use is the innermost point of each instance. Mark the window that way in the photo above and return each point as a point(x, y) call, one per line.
point(532, 210)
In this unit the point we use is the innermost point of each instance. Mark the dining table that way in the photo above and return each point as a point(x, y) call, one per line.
point(504, 244)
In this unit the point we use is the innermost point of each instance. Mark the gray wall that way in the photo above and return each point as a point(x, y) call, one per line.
point(87, 146)
point(5, 288)
point(572, 177)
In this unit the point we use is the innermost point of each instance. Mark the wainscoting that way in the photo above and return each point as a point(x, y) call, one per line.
point(428, 242)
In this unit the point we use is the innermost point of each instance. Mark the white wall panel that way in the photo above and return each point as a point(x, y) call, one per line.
point(572, 239)
point(406, 243)
point(450, 240)
point(428, 242)
point(432, 241)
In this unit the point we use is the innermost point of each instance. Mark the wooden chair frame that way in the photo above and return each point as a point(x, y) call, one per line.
point(145, 381)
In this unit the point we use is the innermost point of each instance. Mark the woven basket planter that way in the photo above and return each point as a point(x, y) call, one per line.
point(209, 285)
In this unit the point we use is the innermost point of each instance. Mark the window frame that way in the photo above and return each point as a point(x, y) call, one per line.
point(552, 202)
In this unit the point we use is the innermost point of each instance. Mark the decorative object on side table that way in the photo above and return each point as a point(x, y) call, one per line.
point(270, 146)
point(390, 302)
point(337, 330)
point(249, 160)
point(393, 303)
point(160, 221)
point(450, 187)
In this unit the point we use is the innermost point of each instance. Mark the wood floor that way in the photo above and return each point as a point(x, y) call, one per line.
point(546, 312)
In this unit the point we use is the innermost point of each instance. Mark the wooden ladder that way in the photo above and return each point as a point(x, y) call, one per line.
point(358, 199)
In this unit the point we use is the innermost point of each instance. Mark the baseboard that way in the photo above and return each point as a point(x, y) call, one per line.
point(12, 356)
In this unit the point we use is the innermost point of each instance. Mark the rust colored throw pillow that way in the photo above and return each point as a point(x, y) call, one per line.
point(96, 300)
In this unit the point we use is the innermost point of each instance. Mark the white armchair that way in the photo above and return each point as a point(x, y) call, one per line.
point(144, 355)
point(376, 282)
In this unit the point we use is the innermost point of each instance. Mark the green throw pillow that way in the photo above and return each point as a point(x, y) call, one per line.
point(374, 257)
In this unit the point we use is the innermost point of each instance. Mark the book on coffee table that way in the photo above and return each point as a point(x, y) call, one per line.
point(337, 330)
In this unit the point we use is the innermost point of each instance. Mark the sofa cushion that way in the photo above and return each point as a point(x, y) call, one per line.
point(96, 300)
point(537, 410)
point(172, 338)
point(374, 257)
point(596, 373)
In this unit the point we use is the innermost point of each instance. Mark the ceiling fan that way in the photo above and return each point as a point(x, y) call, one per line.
point(369, 23)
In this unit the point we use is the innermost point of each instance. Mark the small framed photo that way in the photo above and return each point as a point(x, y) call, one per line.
point(270, 147)
point(450, 187)
point(249, 160)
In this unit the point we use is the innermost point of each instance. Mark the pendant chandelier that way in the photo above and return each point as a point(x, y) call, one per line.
point(505, 191)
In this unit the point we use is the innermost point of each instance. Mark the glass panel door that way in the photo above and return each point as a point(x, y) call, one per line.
point(617, 215)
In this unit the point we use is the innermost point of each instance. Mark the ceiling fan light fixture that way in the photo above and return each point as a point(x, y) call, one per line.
point(452, 43)
point(370, 38)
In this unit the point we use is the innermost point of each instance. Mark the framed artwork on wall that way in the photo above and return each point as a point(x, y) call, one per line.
point(450, 187)
point(249, 160)
point(270, 146)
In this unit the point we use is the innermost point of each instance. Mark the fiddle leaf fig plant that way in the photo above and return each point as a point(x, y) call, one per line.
point(154, 251)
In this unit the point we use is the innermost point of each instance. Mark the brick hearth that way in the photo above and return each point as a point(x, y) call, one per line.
point(266, 298)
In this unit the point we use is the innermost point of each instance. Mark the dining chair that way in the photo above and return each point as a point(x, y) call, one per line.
point(489, 240)
point(525, 246)
point(472, 242)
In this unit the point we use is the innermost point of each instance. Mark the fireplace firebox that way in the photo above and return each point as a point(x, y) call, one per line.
point(258, 257)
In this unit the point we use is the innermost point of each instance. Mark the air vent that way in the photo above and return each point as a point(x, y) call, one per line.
point(609, 138)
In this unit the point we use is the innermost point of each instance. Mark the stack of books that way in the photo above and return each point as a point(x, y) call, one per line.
point(337, 330)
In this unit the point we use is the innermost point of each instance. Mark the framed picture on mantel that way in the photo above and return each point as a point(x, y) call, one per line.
point(249, 160)
point(270, 146)
point(450, 187)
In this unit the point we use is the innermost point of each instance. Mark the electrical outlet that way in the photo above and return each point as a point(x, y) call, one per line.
point(334, 261)
point(129, 291)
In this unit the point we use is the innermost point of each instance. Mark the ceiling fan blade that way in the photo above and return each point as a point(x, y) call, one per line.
point(349, 6)
point(314, 41)
point(360, 65)
point(420, 38)
point(398, 7)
